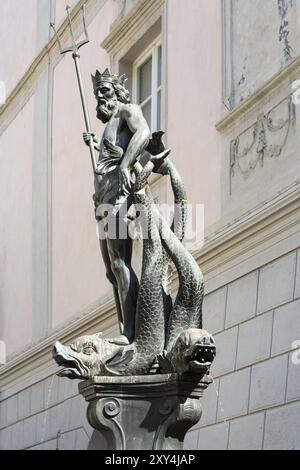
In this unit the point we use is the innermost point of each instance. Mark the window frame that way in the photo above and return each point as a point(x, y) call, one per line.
point(152, 51)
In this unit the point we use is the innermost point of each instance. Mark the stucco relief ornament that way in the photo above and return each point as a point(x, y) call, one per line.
point(161, 338)
point(267, 138)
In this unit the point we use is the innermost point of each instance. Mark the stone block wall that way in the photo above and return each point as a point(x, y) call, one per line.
point(47, 415)
point(254, 402)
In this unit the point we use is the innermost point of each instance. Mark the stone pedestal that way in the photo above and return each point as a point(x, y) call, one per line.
point(151, 412)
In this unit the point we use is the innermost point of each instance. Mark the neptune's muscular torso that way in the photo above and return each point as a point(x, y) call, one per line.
point(117, 132)
point(114, 143)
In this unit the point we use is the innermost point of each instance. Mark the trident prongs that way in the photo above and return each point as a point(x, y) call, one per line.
point(68, 8)
point(57, 37)
point(84, 23)
point(74, 48)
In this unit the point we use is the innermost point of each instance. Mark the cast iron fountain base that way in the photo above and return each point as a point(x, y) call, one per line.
point(152, 412)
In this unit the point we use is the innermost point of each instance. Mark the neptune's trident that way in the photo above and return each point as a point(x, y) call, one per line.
point(74, 48)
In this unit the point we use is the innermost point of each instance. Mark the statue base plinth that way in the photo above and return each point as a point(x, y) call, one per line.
point(151, 412)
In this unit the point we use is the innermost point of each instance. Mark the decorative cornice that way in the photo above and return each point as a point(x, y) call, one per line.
point(262, 225)
point(133, 22)
point(290, 72)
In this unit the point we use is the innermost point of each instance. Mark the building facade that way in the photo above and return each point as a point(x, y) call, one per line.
point(221, 79)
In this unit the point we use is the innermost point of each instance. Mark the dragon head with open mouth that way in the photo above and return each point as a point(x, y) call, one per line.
point(193, 351)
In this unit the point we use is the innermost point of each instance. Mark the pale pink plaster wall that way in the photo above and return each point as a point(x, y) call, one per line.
point(194, 97)
point(18, 20)
point(78, 271)
point(16, 231)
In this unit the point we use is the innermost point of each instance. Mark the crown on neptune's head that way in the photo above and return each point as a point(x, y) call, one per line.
point(99, 78)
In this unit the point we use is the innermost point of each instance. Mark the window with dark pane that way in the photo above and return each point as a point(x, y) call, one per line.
point(148, 83)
